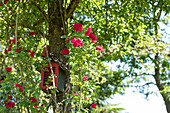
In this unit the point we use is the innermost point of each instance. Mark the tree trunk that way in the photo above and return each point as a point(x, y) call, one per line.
point(56, 30)
point(159, 84)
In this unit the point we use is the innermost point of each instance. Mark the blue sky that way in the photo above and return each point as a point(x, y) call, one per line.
point(136, 102)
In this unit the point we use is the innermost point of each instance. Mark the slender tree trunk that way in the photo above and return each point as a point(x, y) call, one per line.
point(159, 84)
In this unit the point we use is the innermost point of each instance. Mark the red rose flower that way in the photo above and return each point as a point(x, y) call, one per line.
point(93, 105)
point(18, 43)
point(13, 40)
point(39, 110)
point(32, 53)
point(65, 52)
point(67, 40)
point(1, 56)
point(27, 50)
point(86, 33)
point(31, 33)
point(17, 85)
point(33, 99)
point(9, 41)
point(5, 1)
point(0, 4)
point(93, 37)
point(10, 8)
point(78, 27)
point(9, 69)
point(10, 46)
point(5, 52)
point(17, 50)
point(28, 67)
point(81, 44)
point(85, 78)
point(10, 97)
point(76, 94)
point(9, 49)
point(9, 104)
point(85, 98)
point(75, 44)
point(73, 40)
point(89, 29)
point(100, 48)
point(78, 40)
point(35, 106)
point(18, 38)
point(21, 89)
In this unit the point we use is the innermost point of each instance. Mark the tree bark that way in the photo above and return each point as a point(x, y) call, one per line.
point(159, 84)
point(56, 30)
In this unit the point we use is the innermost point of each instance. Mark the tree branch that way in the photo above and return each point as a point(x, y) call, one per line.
point(43, 13)
point(71, 8)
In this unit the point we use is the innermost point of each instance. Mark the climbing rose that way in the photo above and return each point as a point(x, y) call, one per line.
point(86, 33)
point(10, 8)
point(9, 49)
point(85, 78)
point(9, 104)
point(9, 41)
point(10, 45)
point(78, 27)
point(35, 106)
point(17, 50)
point(5, 51)
point(18, 38)
point(31, 33)
point(9, 69)
point(100, 48)
point(18, 43)
point(1, 56)
point(80, 44)
point(67, 40)
point(89, 29)
point(32, 53)
point(78, 40)
point(75, 44)
point(21, 89)
point(0, 4)
point(65, 52)
point(85, 98)
point(93, 105)
point(10, 97)
point(76, 94)
point(17, 85)
point(13, 40)
point(73, 40)
point(39, 110)
point(27, 50)
point(93, 37)
point(28, 67)
point(5, 1)
point(33, 99)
